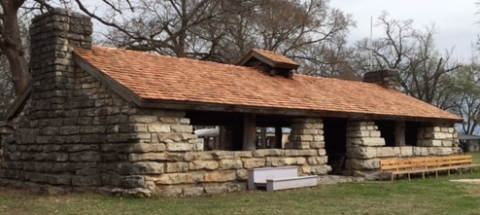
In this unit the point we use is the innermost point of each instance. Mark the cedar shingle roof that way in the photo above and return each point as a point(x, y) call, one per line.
point(163, 78)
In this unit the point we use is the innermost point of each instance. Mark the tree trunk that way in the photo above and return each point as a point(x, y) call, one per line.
point(11, 45)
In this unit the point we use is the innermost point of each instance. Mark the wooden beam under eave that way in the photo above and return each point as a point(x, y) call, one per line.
point(248, 132)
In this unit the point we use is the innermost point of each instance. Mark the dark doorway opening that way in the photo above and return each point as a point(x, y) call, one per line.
point(411, 133)
point(335, 134)
point(387, 131)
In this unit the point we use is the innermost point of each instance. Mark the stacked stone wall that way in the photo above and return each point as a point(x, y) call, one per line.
point(366, 147)
point(184, 171)
point(209, 172)
point(90, 142)
point(440, 139)
point(110, 146)
point(73, 133)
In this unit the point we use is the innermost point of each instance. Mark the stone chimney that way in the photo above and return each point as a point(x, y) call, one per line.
point(53, 36)
point(387, 78)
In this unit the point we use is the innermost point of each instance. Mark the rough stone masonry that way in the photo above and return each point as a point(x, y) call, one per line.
point(365, 146)
point(75, 135)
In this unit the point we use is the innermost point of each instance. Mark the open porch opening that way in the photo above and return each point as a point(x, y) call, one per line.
point(232, 131)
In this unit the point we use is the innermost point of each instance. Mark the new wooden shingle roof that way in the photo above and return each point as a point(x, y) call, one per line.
point(158, 78)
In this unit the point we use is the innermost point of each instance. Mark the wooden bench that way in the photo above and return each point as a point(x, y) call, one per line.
point(424, 165)
point(279, 178)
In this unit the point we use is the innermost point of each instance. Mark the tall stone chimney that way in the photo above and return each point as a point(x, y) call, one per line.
point(43, 151)
point(53, 37)
point(387, 78)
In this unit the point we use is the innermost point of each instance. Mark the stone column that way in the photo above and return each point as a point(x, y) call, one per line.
point(307, 133)
point(437, 140)
point(363, 145)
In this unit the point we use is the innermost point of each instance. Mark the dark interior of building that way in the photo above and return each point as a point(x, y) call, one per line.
point(335, 133)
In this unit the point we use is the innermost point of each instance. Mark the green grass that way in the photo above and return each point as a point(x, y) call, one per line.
point(475, 156)
point(431, 196)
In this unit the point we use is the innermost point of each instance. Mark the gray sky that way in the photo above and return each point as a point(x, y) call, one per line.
point(456, 20)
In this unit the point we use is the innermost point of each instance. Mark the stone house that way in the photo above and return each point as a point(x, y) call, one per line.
point(112, 120)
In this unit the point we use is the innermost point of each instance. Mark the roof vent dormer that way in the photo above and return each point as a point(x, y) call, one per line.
point(272, 63)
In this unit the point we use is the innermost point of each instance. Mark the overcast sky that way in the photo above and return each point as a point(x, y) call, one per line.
point(456, 20)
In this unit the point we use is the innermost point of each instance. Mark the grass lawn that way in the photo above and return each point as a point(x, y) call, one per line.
point(431, 196)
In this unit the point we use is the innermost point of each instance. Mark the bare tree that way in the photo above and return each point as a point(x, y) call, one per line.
point(223, 31)
point(466, 100)
point(334, 59)
point(164, 27)
point(8, 88)
point(413, 53)
point(11, 44)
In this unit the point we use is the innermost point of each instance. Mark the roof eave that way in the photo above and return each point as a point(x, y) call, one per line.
point(245, 59)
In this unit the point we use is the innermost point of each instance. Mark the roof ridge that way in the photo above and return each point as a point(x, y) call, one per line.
point(228, 64)
point(336, 79)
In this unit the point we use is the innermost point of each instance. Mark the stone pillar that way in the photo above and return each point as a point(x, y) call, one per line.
point(439, 139)
point(387, 78)
point(363, 146)
point(307, 133)
point(456, 142)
